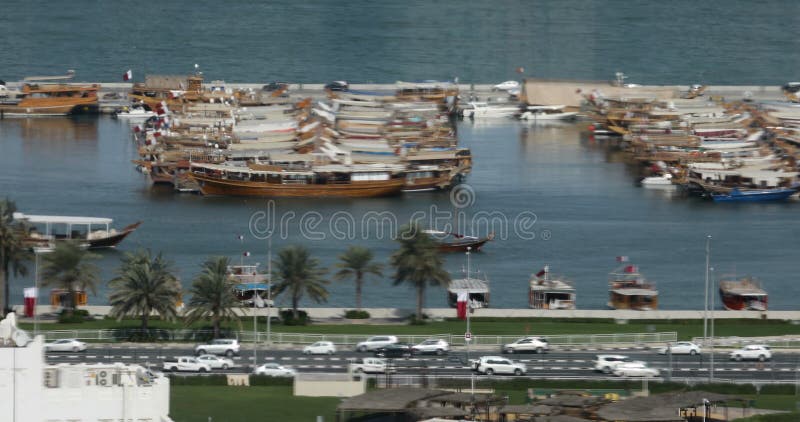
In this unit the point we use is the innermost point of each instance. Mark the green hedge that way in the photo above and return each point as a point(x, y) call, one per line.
point(78, 316)
point(356, 314)
point(220, 380)
point(287, 316)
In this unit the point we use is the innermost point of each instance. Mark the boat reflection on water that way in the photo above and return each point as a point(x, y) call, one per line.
point(56, 130)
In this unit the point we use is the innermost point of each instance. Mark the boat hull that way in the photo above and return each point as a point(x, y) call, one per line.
point(366, 189)
point(754, 196)
point(474, 246)
point(90, 107)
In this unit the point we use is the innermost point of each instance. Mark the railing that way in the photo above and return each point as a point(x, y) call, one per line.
point(350, 340)
point(784, 342)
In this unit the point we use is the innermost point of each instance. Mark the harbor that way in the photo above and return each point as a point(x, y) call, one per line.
point(361, 145)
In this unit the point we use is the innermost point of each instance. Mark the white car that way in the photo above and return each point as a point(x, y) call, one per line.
point(65, 345)
point(227, 347)
point(369, 366)
point(758, 352)
point(506, 86)
point(635, 369)
point(607, 363)
point(275, 370)
point(185, 364)
point(436, 346)
point(375, 342)
point(681, 348)
point(491, 365)
point(527, 344)
point(216, 362)
point(320, 348)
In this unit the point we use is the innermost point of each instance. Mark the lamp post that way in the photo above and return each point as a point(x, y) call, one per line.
point(711, 368)
point(705, 302)
point(469, 340)
point(269, 290)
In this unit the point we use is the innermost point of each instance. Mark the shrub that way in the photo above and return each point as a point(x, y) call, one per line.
point(211, 380)
point(414, 320)
point(78, 316)
point(356, 314)
point(263, 380)
point(287, 316)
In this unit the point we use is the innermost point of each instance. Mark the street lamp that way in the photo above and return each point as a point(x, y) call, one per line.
point(469, 340)
point(705, 302)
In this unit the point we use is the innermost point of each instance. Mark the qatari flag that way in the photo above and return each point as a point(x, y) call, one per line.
point(622, 259)
point(461, 305)
point(246, 254)
point(543, 271)
point(127, 76)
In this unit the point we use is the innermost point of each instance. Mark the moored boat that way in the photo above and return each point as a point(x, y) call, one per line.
point(39, 98)
point(550, 291)
point(476, 289)
point(537, 113)
point(455, 242)
point(77, 229)
point(249, 283)
point(628, 289)
point(743, 294)
point(330, 180)
point(756, 195)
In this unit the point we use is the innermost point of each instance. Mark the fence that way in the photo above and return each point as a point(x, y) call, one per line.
point(784, 342)
point(350, 340)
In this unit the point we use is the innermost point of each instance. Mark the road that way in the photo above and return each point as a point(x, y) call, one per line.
point(554, 364)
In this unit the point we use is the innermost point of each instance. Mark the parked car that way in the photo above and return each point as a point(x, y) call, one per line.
point(227, 347)
point(607, 363)
point(752, 352)
point(527, 344)
point(216, 362)
point(275, 370)
point(375, 342)
point(635, 369)
point(185, 364)
point(320, 348)
point(680, 348)
point(436, 346)
point(369, 366)
point(65, 345)
point(337, 86)
point(394, 350)
point(491, 365)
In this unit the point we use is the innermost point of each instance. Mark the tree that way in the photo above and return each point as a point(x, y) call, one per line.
point(212, 294)
point(298, 274)
point(418, 263)
point(144, 284)
point(357, 263)
point(68, 268)
point(13, 252)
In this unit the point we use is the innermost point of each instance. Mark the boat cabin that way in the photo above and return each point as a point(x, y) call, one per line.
point(743, 294)
point(549, 291)
point(91, 232)
point(477, 289)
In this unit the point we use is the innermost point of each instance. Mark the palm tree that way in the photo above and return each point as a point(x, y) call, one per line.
point(418, 262)
point(13, 252)
point(212, 294)
point(144, 284)
point(357, 262)
point(67, 267)
point(298, 274)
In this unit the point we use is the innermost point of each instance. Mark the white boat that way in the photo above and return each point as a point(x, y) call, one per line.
point(662, 180)
point(475, 109)
point(136, 112)
point(550, 292)
point(537, 113)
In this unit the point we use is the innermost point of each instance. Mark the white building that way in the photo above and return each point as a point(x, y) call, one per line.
point(31, 391)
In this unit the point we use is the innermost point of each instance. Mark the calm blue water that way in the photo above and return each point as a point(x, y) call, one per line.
point(587, 208)
point(715, 41)
point(582, 195)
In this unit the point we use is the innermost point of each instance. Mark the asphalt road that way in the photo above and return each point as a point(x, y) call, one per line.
point(555, 364)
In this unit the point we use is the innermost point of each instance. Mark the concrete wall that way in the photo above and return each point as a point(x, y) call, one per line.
point(570, 93)
point(329, 385)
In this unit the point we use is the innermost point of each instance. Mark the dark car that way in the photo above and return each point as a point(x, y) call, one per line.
point(337, 86)
point(395, 350)
point(274, 86)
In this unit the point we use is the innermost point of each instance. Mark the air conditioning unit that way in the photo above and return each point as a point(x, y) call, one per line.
point(106, 378)
point(51, 378)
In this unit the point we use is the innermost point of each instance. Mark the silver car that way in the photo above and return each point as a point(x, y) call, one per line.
point(65, 345)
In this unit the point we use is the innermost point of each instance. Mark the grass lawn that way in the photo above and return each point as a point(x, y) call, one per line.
point(483, 326)
point(246, 404)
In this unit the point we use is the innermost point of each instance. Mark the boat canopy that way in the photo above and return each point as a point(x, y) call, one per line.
point(58, 219)
point(468, 285)
point(635, 292)
point(251, 286)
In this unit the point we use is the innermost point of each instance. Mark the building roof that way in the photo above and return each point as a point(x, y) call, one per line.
point(389, 400)
point(526, 409)
point(660, 407)
point(464, 398)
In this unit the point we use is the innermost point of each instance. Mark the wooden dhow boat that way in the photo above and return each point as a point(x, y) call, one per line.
point(76, 229)
point(628, 289)
point(40, 96)
point(550, 292)
point(743, 294)
point(311, 181)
